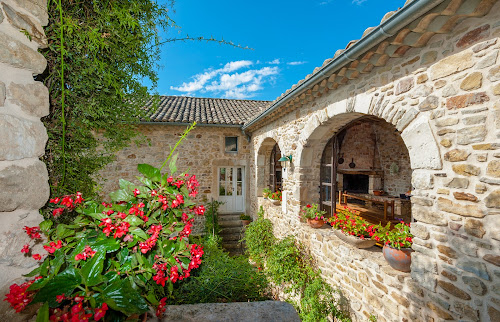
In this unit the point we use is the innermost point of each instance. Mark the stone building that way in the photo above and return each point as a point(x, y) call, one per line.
point(413, 105)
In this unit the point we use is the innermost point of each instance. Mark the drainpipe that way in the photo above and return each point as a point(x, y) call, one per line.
point(387, 29)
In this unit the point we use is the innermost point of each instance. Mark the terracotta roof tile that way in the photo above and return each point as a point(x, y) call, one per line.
point(184, 109)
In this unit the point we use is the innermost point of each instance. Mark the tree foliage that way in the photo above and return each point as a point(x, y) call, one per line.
point(100, 53)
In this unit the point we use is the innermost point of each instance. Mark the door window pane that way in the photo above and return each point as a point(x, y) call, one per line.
point(222, 175)
point(229, 174)
point(239, 189)
point(326, 174)
point(239, 175)
point(222, 189)
point(325, 193)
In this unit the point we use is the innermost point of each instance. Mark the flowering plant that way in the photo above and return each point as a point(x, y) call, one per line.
point(266, 192)
point(350, 223)
point(115, 258)
point(276, 195)
point(311, 211)
point(397, 237)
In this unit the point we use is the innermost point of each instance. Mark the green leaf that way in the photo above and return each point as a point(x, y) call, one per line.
point(126, 185)
point(152, 299)
point(134, 220)
point(121, 296)
point(62, 231)
point(97, 215)
point(109, 245)
point(59, 259)
point(149, 171)
point(139, 233)
point(38, 284)
point(147, 182)
point(43, 313)
point(34, 272)
point(121, 195)
point(172, 165)
point(92, 269)
point(46, 225)
point(64, 283)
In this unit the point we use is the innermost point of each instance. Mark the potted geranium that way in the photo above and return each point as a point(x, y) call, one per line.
point(352, 229)
point(313, 215)
point(245, 219)
point(266, 192)
point(114, 260)
point(397, 245)
point(275, 197)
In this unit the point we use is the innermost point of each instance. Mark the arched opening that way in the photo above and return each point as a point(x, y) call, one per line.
point(366, 165)
point(269, 171)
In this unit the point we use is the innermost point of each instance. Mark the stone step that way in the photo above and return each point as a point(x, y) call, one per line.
point(230, 223)
point(228, 217)
point(231, 246)
point(230, 230)
point(228, 237)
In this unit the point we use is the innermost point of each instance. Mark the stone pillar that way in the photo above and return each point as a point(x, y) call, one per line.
point(24, 184)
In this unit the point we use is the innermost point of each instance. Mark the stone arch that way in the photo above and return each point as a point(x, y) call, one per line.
point(263, 163)
point(416, 134)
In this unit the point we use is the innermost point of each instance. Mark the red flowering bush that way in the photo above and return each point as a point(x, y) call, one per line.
point(311, 211)
point(397, 237)
point(350, 223)
point(276, 195)
point(116, 258)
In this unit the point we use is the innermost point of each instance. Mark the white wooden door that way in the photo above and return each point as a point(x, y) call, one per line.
point(232, 189)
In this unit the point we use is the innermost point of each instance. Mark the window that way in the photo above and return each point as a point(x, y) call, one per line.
point(231, 144)
point(275, 170)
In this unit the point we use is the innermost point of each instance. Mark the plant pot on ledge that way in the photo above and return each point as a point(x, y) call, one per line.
point(399, 259)
point(275, 202)
point(353, 240)
point(315, 223)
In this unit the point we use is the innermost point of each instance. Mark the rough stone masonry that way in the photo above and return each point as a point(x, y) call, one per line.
point(23, 177)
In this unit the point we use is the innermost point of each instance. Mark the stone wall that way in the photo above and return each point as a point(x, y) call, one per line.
point(443, 99)
point(23, 177)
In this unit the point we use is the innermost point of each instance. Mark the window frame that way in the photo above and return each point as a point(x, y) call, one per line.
point(226, 144)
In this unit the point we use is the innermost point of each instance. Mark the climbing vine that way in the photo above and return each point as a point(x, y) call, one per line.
point(99, 56)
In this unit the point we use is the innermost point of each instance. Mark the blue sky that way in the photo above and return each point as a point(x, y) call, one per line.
point(289, 39)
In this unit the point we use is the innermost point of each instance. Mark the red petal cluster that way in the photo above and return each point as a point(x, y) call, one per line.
point(87, 253)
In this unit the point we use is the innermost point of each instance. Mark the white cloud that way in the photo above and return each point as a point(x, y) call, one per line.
point(228, 82)
point(322, 3)
point(358, 2)
point(274, 62)
point(295, 63)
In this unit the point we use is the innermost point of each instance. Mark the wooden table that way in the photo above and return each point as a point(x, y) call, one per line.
point(386, 201)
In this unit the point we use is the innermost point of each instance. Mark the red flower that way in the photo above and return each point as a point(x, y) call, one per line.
point(18, 296)
point(37, 257)
point(55, 200)
point(26, 248)
point(60, 298)
point(161, 307)
point(57, 212)
point(33, 232)
point(200, 210)
point(87, 253)
point(308, 206)
point(136, 192)
point(51, 249)
point(100, 312)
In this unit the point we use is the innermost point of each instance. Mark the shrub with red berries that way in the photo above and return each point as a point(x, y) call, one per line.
point(118, 258)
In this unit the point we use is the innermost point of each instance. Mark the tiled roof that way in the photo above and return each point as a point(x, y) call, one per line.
point(439, 20)
point(183, 109)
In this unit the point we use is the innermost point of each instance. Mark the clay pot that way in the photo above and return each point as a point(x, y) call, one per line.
point(353, 240)
point(399, 259)
point(275, 202)
point(246, 222)
point(315, 223)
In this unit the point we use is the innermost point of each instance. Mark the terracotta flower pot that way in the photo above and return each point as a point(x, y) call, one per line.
point(315, 223)
point(353, 240)
point(399, 259)
point(246, 222)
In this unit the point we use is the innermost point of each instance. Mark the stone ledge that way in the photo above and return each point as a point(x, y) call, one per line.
point(267, 311)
